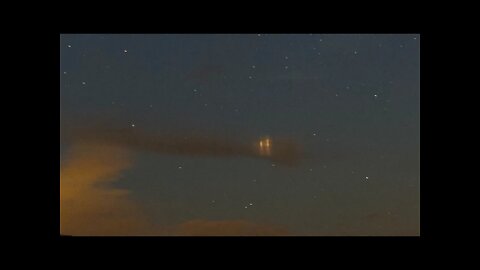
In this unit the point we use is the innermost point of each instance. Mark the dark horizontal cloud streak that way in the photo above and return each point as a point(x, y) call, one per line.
point(282, 150)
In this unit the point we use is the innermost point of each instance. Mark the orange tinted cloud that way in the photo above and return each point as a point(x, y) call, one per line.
point(227, 228)
point(88, 204)
point(91, 206)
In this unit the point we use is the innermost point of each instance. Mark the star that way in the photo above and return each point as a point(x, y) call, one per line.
point(375, 95)
point(355, 52)
point(286, 67)
point(179, 167)
point(286, 57)
point(84, 83)
point(69, 46)
point(366, 177)
point(64, 72)
point(125, 51)
point(253, 66)
point(133, 125)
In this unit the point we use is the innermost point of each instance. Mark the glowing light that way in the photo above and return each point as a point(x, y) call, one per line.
point(265, 147)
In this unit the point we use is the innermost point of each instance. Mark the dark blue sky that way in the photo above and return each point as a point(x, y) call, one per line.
point(351, 101)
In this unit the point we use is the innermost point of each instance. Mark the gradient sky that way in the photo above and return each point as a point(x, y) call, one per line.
point(351, 102)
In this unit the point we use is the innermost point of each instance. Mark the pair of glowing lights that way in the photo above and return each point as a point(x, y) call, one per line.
point(265, 146)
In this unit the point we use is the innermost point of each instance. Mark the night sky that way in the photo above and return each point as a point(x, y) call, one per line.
point(240, 134)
